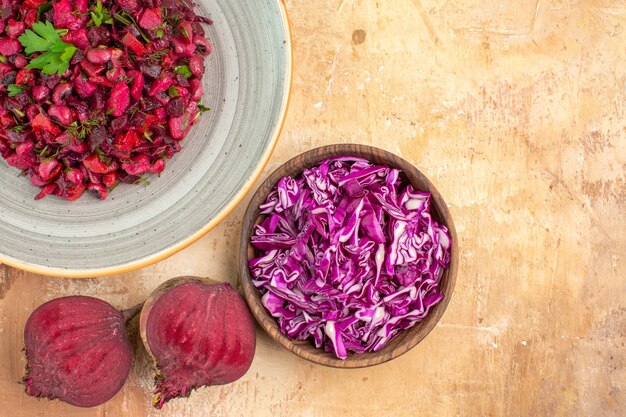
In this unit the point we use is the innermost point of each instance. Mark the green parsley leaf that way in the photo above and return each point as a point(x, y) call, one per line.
point(128, 20)
point(41, 39)
point(172, 91)
point(203, 108)
point(102, 156)
point(15, 90)
point(158, 55)
point(142, 181)
point(123, 18)
point(100, 15)
point(43, 151)
point(183, 70)
point(51, 157)
point(183, 31)
point(45, 38)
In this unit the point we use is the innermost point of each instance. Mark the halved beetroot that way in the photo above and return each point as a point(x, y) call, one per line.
point(77, 349)
point(198, 333)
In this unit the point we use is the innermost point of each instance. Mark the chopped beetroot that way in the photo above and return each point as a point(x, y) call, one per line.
point(178, 126)
point(36, 179)
point(157, 167)
point(24, 76)
point(133, 44)
point(9, 46)
point(40, 92)
point(47, 190)
point(186, 31)
point(60, 92)
point(75, 176)
point(109, 179)
point(61, 114)
point(128, 97)
point(100, 189)
point(139, 164)
point(119, 99)
point(32, 4)
point(100, 80)
point(199, 333)
point(91, 70)
point(84, 88)
point(42, 123)
point(79, 38)
point(49, 170)
point(14, 28)
point(183, 48)
point(203, 45)
point(138, 82)
point(19, 61)
point(160, 85)
point(196, 89)
point(99, 55)
point(116, 73)
point(130, 5)
point(94, 163)
point(30, 17)
point(76, 347)
point(150, 18)
point(70, 14)
point(125, 142)
point(72, 192)
point(196, 65)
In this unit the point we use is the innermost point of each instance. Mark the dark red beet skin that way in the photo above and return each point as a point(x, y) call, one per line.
point(77, 351)
point(198, 334)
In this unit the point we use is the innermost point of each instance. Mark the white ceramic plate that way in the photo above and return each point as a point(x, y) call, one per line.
point(246, 87)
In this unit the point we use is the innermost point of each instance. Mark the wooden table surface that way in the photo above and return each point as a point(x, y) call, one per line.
point(516, 110)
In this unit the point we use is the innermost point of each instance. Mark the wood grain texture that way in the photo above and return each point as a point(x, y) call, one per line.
point(518, 116)
point(405, 340)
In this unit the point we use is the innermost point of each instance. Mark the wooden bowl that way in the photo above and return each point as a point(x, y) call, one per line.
point(405, 340)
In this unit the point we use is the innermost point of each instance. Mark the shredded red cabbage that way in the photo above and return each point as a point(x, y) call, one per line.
point(348, 256)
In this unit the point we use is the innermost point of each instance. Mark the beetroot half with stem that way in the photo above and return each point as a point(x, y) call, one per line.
point(77, 351)
point(198, 333)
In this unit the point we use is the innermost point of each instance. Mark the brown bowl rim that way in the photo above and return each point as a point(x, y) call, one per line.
point(305, 349)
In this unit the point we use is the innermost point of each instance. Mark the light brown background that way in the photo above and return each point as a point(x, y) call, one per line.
point(516, 110)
